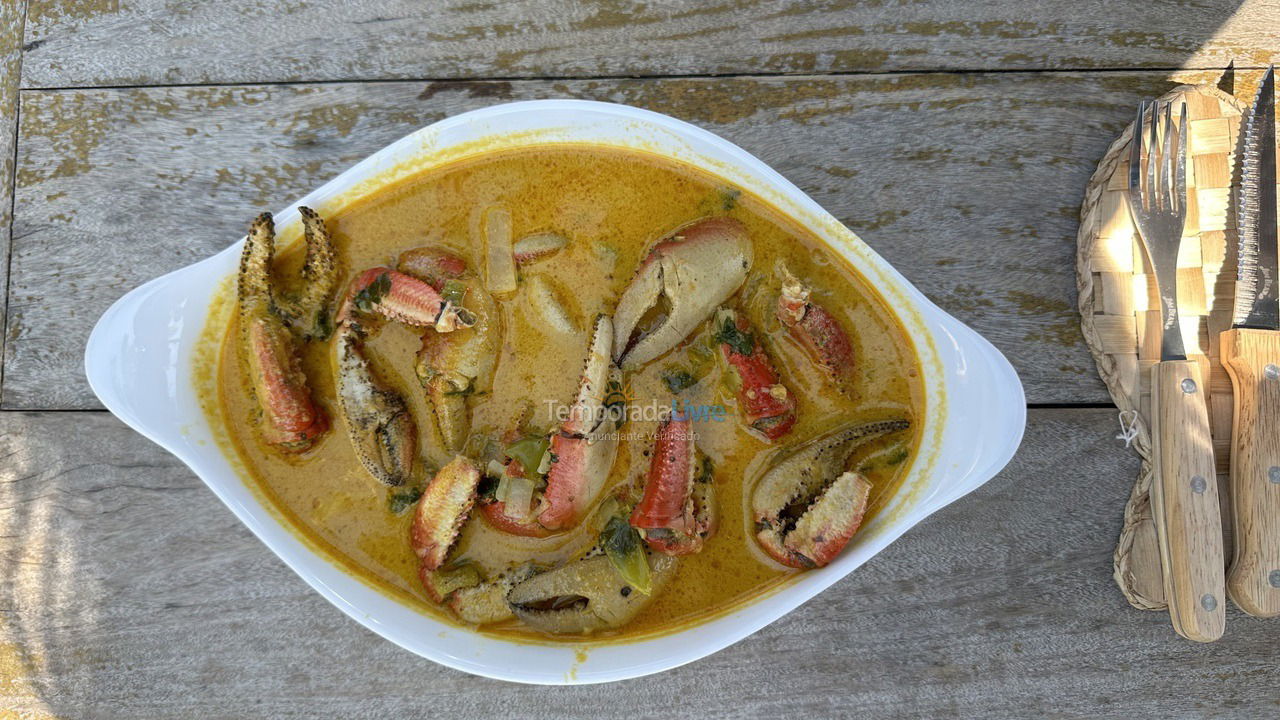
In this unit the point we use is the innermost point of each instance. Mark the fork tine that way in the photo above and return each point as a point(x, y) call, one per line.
point(1151, 188)
point(1135, 155)
point(1167, 160)
point(1180, 175)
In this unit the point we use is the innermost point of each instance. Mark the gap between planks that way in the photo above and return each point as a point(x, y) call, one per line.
point(673, 76)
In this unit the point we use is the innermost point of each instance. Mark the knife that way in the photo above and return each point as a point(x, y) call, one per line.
point(1251, 354)
point(1184, 491)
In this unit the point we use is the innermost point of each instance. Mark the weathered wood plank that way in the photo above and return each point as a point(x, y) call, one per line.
point(126, 589)
point(144, 42)
point(12, 15)
point(970, 184)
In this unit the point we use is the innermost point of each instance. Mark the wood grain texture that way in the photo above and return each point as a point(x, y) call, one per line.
point(1184, 500)
point(1254, 582)
point(146, 42)
point(970, 184)
point(127, 590)
point(12, 14)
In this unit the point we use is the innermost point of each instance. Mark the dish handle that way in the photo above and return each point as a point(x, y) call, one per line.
point(986, 412)
point(139, 374)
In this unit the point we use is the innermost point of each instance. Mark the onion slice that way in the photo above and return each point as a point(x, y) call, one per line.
point(500, 263)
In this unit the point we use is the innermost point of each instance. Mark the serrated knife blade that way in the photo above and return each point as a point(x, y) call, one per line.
point(1257, 299)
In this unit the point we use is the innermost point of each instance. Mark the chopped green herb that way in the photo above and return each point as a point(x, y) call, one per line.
point(453, 291)
point(323, 326)
point(622, 544)
point(678, 379)
point(897, 456)
point(400, 500)
point(529, 452)
point(706, 471)
point(372, 294)
point(743, 343)
point(615, 403)
point(729, 197)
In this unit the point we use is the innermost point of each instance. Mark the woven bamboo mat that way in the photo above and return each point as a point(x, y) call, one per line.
point(1120, 313)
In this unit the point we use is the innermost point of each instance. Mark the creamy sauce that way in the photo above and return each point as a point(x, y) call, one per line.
point(612, 205)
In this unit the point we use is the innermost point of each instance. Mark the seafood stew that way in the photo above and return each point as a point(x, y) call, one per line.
point(566, 391)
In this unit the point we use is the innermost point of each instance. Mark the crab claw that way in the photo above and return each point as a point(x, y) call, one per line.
point(292, 420)
point(814, 328)
point(442, 510)
point(683, 279)
point(452, 366)
point(309, 310)
point(766, 404)
point(676, 513)
point(402, 298)
point(805, 508)
point(378, 421)
point(583, 449)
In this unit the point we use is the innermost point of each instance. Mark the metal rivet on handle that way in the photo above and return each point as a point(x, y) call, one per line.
point(1188, 386)
point(1209, 602)
point(1274, 475)
point(1271, 371)
point(1198, 485)
point(1274, 578)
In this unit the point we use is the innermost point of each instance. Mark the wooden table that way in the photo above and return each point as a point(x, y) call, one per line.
point(956, 137)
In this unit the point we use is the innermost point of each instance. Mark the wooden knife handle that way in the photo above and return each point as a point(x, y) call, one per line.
point(1185, 502)
point(1252, 359)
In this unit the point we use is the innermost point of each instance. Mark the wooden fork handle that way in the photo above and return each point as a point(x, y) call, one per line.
point(1185, 502)
point(1252, 359)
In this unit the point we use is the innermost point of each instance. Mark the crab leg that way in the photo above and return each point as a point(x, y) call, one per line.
point(697, 268)
point(583, 450)
point(402, 298)
point(806, 509)
point(454, 365)
point(766, 404)
point(381, 427)
point(442, 510)
point(293, 422)
point(676, 513)
point(815, 328)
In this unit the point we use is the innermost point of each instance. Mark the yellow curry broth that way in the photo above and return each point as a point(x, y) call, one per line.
point(612, 205)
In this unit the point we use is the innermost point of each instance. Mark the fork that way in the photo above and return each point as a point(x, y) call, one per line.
point(1184, 492)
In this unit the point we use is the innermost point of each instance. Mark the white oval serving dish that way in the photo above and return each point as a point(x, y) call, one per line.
point(141, 354)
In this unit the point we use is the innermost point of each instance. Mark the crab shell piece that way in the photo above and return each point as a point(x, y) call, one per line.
point(453, 365)
point(585, 596)
point(676, 513)
point(583, 450)
point(815, 329)
point(696, 269)
point(402, 298)
point(831, 504)
point(378, 421)
point(293, 421)
point(767, 406)
point(443, 508)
